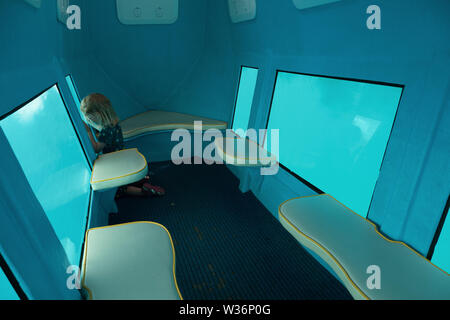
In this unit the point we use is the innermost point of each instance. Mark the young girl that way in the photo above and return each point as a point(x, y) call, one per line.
point(100, 115)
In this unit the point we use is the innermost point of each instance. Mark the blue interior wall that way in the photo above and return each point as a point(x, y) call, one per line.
point(80, 59)
point(31, 46)
point(31, 39)
point(149, 62)
point(210, 88)
point(193, 66)
point(187, 66)
point(37, 52)
point(409, 49)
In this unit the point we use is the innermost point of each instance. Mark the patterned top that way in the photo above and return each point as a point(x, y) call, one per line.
point(112, 137)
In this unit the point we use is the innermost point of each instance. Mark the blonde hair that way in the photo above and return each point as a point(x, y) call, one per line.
point(98, 111)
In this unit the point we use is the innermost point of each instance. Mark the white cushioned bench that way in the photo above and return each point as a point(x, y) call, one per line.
point(117, 169)
point(243, 152)
point(350, 244)
point(156, 120)
point(132, 261)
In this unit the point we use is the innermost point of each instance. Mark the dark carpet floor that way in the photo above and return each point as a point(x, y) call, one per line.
point(228, 246)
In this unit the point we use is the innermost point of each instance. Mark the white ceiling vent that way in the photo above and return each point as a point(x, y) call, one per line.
point(147, 11)
point(242, 10)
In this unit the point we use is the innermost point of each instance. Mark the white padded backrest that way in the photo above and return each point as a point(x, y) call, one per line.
point(134, 261)
point(157, 120)
point(35, 3)
point(305, 4)
point(353, 244)
point(117, 169)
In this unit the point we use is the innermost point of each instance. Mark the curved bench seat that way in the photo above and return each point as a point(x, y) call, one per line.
point(351, 244)
point(117, 169)
point(243, 152)
point(156, 120)
point(132, 261)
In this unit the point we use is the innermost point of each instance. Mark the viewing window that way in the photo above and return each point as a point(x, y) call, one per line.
point(7, 291)
point(76, 98)
point(244, 99)
point(441, 256)
point(48, 149)
point(74, 92)
point(334, 132)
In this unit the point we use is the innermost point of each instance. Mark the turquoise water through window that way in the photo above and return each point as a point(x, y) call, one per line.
point(244, 100)
point(333, 133)
point(49, 152)
point(7, 292)
point(74, 93)
point(441, 255)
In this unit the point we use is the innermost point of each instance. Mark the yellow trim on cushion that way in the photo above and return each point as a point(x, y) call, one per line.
point(122, 224)
point(324, 249)
point(335, 259)
point(123, 176)
point(385, 238)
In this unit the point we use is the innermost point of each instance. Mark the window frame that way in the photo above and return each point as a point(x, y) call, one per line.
point(78, 96)
point(439, 228)
point(236, 96)
point(74, 86)
point(61, 94)
point(296, 175)
point(6, 115)
point(12, 279)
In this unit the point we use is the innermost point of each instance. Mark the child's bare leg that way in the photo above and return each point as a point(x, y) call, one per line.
point(134, 191)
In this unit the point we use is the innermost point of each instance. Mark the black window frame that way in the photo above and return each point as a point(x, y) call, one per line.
point(12, 279)
point(439, 228)
point(298, 176)
point(14, 110)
